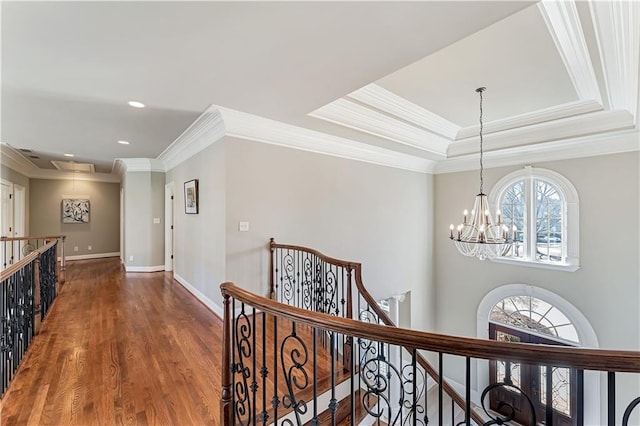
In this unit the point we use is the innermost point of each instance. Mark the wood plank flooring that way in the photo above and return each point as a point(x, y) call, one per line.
point(119, 349)
point(131, 349)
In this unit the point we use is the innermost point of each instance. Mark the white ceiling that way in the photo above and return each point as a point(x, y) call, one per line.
point(398, 76)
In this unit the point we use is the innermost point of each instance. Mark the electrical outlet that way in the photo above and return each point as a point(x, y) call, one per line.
point(243, 226)
point(75, 248)
point(89, 248)
point(130, 258)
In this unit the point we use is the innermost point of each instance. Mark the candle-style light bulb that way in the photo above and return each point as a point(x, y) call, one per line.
point(451, 229)
point(465, 213)
point(498, 214)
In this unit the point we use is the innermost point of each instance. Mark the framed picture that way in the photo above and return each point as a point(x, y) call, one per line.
point(191, 197)
point(75, 211)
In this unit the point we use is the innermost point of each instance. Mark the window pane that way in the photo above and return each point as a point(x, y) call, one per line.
point(560, 389)
point(530, 313)
point(513, 208)
point(549, 227)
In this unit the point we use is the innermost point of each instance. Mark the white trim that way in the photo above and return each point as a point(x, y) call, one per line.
point(617, 28)
point(563, 23)
point(157, 268)
point(588, 146)
point(140, 165)
point(552, 113)
point(571, 219)
point(359, 117)
point(586, 335)
point(168, 226)
point(259, 129)
point(390, 103)
point(582, 125)
point(213, 306)
point(207, 129)
point(91, 256)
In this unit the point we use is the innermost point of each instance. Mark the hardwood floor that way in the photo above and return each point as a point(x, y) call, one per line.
point(119, 349)
point(137, 349)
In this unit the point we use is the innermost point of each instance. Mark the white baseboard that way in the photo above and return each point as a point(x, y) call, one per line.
point(90, 256)
point(144, 268)
point(213, 306)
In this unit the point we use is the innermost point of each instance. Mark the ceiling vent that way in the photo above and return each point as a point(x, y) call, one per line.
point(72, 166)
point(25, 150)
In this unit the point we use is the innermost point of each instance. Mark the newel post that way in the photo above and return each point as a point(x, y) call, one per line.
point(63, 264)
point(226, 398)
point(272, 293)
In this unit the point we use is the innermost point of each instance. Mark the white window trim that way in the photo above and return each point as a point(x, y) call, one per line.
point(572, 216)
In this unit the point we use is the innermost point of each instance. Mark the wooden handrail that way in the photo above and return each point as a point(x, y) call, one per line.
point(559, 356)
point(47, 237)
point(7, 273)
point(382, 315)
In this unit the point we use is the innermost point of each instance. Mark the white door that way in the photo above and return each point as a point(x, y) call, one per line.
point(6, 225)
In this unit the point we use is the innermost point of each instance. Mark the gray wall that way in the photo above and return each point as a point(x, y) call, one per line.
point(379, 216)
point(17, 178)
point(143, 201)
point(351, 210)
point(606, 287)
point(199, 239)
point(102, 232)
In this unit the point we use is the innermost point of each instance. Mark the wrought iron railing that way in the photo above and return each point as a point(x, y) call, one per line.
point(26, 288)
point(308, 279)
point(305, 357)
point(256, 351)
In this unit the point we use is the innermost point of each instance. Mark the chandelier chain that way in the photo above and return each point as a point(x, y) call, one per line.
point(480, 90)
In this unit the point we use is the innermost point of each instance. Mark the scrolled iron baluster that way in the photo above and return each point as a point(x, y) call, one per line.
point(377, 383)
point(307, 284)
point(414, 384)
point(287, 279)
point(629, 410)
point(293, 351)
point(497, 420)
point(242, 402)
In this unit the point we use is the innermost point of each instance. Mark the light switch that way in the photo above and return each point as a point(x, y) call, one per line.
point(243, 226)
point(156, 220)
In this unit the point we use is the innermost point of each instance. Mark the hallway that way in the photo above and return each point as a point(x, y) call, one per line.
point(119, 348)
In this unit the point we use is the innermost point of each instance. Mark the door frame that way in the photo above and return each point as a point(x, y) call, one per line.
point(168, 226)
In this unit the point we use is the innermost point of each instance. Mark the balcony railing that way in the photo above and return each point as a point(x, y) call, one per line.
point(321, 351)
point(28, 288)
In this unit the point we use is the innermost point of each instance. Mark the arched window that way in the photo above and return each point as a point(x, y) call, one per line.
point(543, 206)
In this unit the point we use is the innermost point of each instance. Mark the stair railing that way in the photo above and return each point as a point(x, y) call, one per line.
point(305, 278)
point(27, 287)
point(268, 369)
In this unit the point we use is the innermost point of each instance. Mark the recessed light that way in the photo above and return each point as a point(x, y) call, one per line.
point(136, 104)
point(69, 155)
point(123, 142)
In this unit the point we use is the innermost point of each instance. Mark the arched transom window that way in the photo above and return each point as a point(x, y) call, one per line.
point(536, 316)
point(543, 206)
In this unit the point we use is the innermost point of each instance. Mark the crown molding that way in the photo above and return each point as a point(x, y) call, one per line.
point(617, 28)
point(392, 104)
point(552, 113)
point(207, 129)
point(587, 146)
point(581, 125)
point(140, 165)
point(359, 117)
point(14, 160)
point(259, 129)
point(563, 23)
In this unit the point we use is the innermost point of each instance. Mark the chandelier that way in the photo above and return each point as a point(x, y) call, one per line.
point(478, 235)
